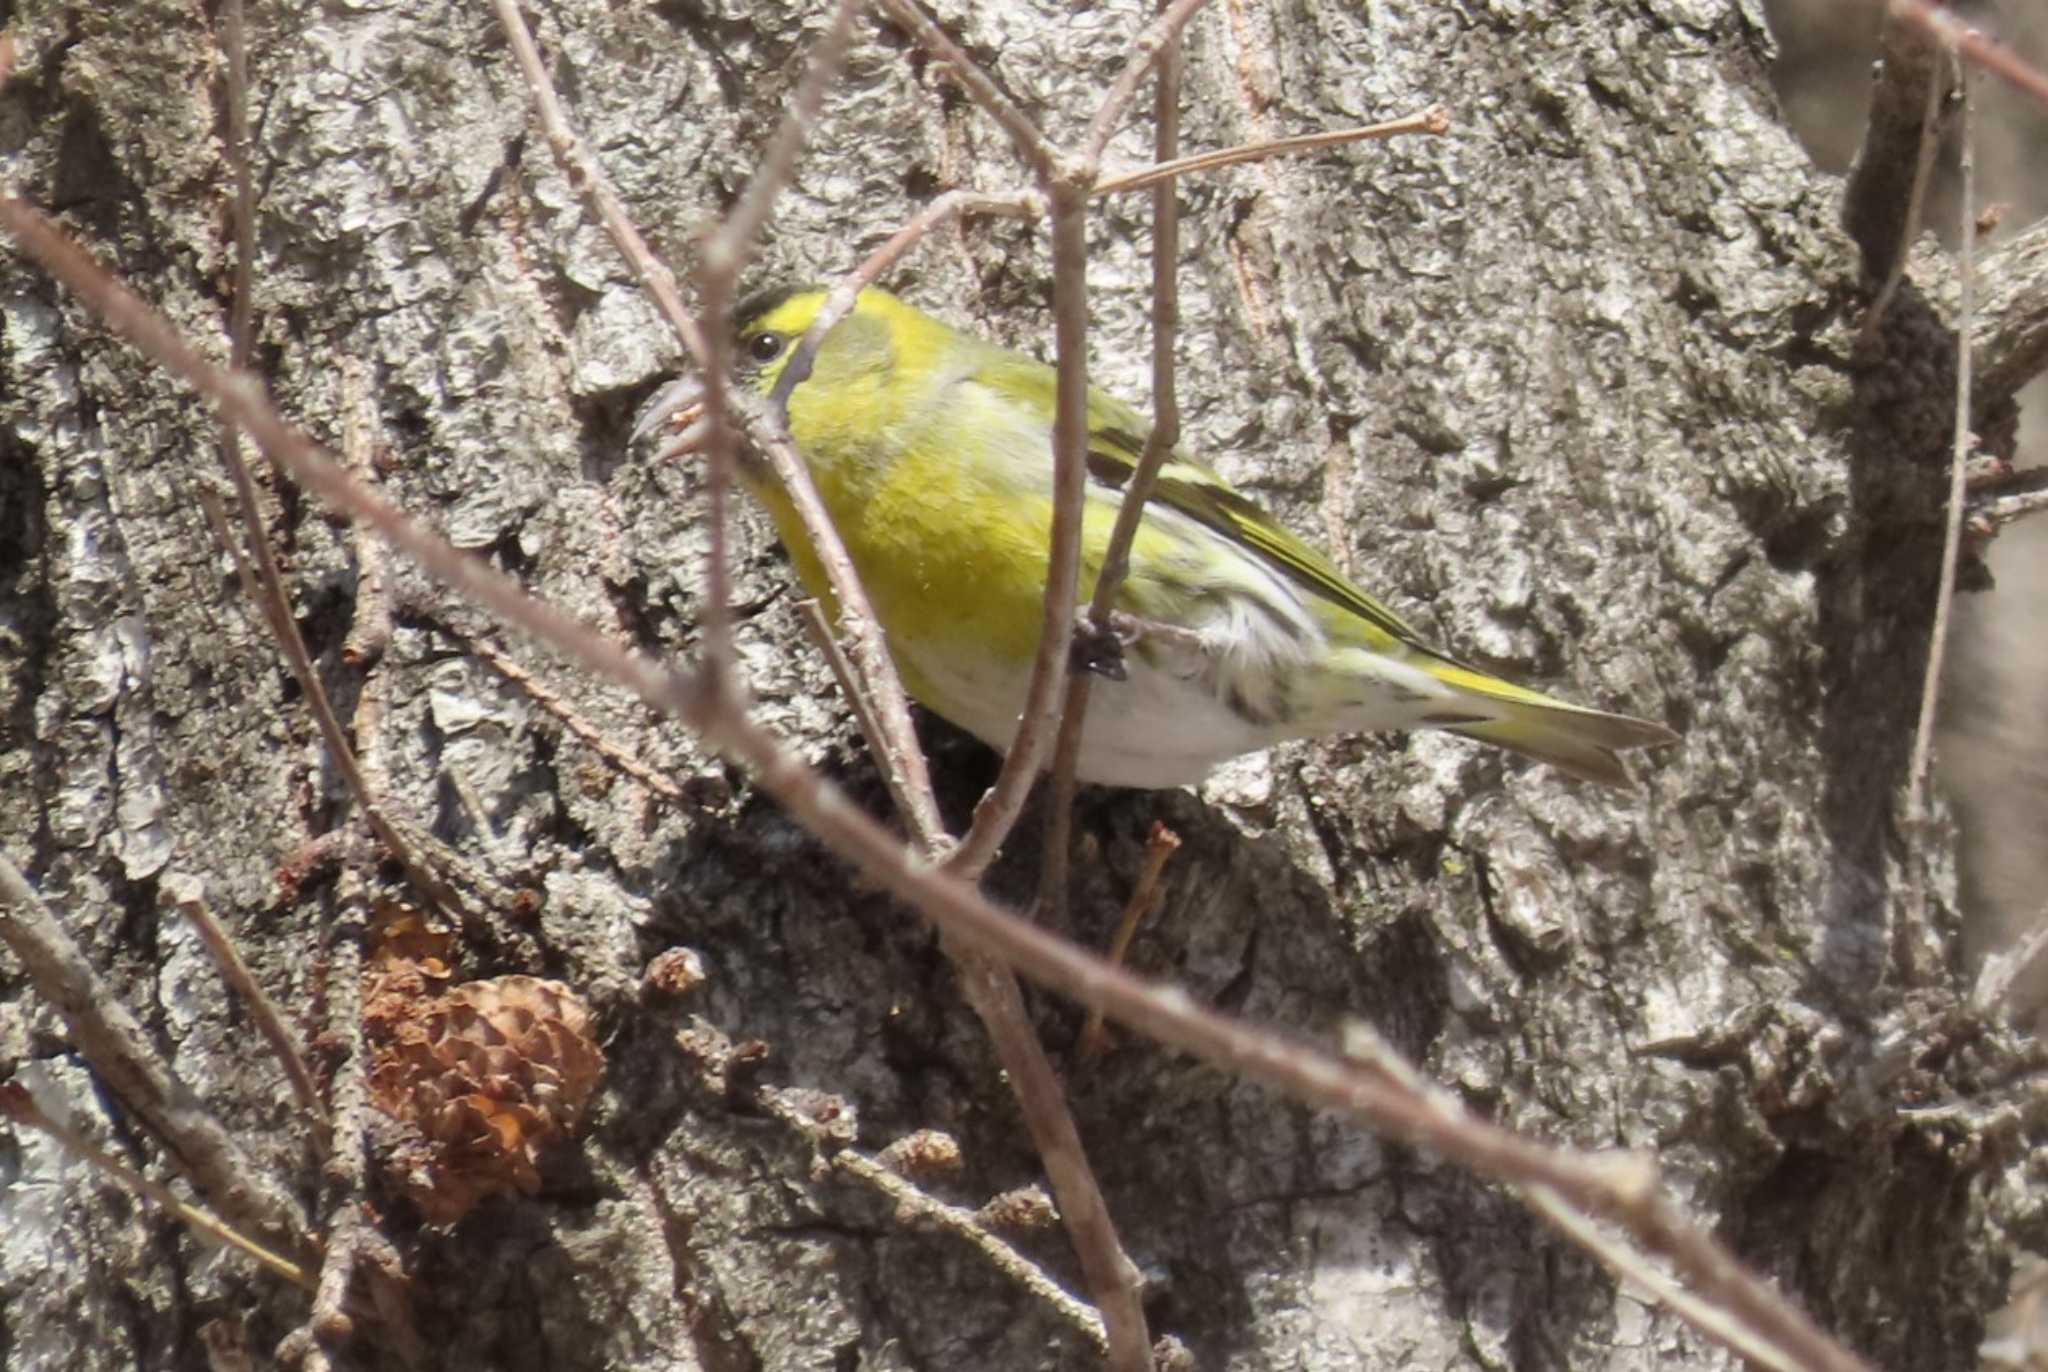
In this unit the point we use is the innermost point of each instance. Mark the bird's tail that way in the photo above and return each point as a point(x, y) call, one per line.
point(1578, 741)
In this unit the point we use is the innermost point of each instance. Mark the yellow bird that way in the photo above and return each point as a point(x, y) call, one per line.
point(932, 449)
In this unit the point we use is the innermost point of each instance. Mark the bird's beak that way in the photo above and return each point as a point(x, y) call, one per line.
point(677, 411)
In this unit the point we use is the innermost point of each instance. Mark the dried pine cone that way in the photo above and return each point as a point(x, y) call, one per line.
point(485, 1075)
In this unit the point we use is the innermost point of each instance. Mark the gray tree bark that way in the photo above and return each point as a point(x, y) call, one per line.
point(1571, 386)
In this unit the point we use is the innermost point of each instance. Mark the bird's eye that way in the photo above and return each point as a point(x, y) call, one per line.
point(765, 347)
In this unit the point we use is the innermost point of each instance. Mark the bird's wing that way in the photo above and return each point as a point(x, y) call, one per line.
point(1116, 442)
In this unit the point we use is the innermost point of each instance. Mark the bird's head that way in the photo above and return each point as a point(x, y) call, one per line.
point(857, 369)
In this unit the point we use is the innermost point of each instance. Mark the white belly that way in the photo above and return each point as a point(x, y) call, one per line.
point(1151, 730)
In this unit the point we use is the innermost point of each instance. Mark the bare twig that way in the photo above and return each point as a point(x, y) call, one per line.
point(242, 398)
point(727, 252)
point(1952, 539)
point(1038, 154)
point(120, 1053)
point(860, 635)
point(1727, 1303)
point(1052, 884)
point(369, 627)
point(839, 300)
point(588, 179)
point(264, 583)
point(1112, 1278)
point(997, 812)
point(241, 308)
point(1150, 49)
point(1973, 45)
point(1631, 1266)
point(876, 691)
point(725, 256)
point(989, 986)
point(913, 1205)
point(1160, 846)
point(857, 698)
point(261, 577)
point(592, 737)
point(874, 675)
point(18, 1106)
point(189, 895)
point(869, 678)
point(1014, 204)
point(1434, 120)
point(328, 1325)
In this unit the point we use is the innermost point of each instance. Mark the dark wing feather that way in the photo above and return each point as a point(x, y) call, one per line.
point(1114, 450)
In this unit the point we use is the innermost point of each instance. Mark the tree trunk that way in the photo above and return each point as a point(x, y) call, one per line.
point(1571, 387)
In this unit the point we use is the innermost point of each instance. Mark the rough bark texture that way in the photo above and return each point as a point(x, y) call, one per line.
point(1571, 386)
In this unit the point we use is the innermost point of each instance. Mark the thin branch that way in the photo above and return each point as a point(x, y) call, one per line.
point(1952, 538)
point(1434, 120)
point(587, 178)
point(255, 562)
point(819, 625)
point(242, 398)
point(990, 987)
point(1974, 46)
point(328, 1324)
point(1031, 144)
point(1013, 204)
point(873, 689)
point(1731, 1329)
point(592, 737)
point(369, 629)
point(19, 1107)
point(1166, 1014)
point(860, 634)
point(997, 812)
point(725, 257)
point(1149, 49)
point(913, 1205)
point(121, 1054)
point(242, 305)
point(263, 581)
point(898, 753)
point(189, 896)
point(1160, 846)
point(1112, 1278)
point(726, 254)
point(840, 299)
point(1159, 444)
